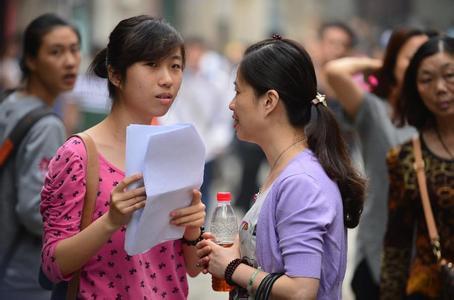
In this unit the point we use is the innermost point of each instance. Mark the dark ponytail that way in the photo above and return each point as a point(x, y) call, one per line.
point(285, 66)
point(99, 65)
point(325, 140)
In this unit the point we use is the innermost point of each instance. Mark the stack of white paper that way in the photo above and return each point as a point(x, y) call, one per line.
point(171, 159)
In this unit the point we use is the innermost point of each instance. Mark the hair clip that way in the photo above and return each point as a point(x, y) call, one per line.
point(277, 37)
point(320, 98)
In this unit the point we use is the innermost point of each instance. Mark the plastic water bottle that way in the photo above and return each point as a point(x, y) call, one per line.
point(224, 226)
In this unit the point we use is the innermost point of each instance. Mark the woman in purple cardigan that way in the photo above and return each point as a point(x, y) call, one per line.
point(297, 225)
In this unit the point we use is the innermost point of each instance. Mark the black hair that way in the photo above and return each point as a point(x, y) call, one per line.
point(285, 66)
point(385, 75)
point(33, 37)
point(140, 38)
point(342, 26)
point(410, 107)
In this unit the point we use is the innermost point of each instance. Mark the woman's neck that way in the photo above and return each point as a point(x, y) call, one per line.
point(279, 149)
point(440, 138)
point(115, 124)
point(110, 134)
point(445, 127)
point(34, 87)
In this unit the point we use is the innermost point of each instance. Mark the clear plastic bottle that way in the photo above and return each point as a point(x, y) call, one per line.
point(224, 226)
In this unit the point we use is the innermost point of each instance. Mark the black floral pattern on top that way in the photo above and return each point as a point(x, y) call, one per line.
point(111, 273)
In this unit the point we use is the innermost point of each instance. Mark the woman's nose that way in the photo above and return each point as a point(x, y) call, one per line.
point(72, 58)
point(165, 78)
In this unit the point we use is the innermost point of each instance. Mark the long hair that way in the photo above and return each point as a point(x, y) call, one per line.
point(410, 107)
point(285, 66)
point(140, 38)
point(385, 75)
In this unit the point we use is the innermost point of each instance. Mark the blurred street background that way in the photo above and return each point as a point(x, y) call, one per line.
point(217, 32)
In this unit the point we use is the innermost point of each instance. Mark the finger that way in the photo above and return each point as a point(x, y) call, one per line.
point(188, 219)
point(127, 181)
point(121, 196)
point(196, 197)
point(208, 236)
point(196, 204)
point(130, 202)
point(201, 244)
point(203, 252)
point(203, 262)
point(203, 266)
point(132, 208)
point(212, 244)
point(195, 223)
point(188, 210)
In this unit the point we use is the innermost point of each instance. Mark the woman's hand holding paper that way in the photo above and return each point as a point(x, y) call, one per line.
point(124, 202)
point(192, 217)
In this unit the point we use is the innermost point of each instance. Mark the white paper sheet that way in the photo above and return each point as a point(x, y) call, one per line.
point(171, 159)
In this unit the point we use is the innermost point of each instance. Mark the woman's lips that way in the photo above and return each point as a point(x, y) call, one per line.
point(165, 99)
point(235, 122)
point(444, 104)
point(69, 79)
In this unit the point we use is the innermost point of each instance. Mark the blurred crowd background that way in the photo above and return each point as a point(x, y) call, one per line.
point(216, 34)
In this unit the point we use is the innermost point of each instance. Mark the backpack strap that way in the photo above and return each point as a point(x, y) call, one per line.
point(13, 140)
point(7, 150)
point(92, 182)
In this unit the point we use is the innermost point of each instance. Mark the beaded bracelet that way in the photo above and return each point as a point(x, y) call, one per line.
point(231, 267)
point(250, 282)
point(194, 242)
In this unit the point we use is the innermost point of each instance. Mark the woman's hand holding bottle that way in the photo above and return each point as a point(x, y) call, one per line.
point(215, 258)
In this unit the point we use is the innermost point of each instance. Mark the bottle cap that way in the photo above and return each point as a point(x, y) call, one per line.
point(223, 196)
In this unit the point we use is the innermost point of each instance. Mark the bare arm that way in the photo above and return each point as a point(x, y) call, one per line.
point(298, 288)
point(340, 73)
point(215, 259)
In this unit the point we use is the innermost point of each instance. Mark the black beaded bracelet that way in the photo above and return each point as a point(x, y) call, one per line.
point(231, 267)
point(194, 242)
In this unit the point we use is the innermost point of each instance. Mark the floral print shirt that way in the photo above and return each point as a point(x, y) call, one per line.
point(111, 273)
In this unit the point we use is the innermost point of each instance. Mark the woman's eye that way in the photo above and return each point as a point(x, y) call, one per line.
point(449, 77)
point(75, 49)
point(176, 66)
point(152, 64)
point(425, 80)
point(55, 52)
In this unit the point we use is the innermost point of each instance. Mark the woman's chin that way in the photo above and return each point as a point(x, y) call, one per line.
point(243, 138)
point(160, 112)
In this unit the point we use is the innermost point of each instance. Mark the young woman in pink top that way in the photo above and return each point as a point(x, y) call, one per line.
point(143, 62)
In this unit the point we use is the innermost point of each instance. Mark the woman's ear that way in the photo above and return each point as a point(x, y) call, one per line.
point(30, 63)
point(114, 77)
point(271, 101)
